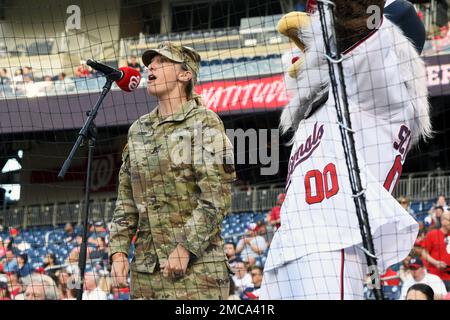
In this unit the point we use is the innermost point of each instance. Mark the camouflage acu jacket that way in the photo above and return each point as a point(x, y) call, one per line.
point(174, 187)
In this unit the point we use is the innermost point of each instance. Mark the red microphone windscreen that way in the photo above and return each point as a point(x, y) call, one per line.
point(130, 80)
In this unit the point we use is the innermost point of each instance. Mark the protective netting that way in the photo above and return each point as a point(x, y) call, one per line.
point(165, 195)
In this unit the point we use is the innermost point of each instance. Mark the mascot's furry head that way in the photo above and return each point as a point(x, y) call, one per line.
point(308, 76)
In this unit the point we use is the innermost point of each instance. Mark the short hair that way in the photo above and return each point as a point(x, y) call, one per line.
point(232, 243)
point(255, 268)
point(424, 288)
point(50, 288)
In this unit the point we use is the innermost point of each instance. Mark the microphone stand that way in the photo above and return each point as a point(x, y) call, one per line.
point(87, 133)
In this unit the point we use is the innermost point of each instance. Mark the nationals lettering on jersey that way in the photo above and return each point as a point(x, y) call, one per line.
point(304, 151)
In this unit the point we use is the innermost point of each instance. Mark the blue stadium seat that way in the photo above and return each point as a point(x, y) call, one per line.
point(40, 48)
point(426, 205)
point(242, 59)
point(416, 206)
point(227, 60)
point(214, 62)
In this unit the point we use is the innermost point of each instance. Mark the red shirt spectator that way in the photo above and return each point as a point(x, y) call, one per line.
point(82, 71)
point(274, 215)
point(437, 249)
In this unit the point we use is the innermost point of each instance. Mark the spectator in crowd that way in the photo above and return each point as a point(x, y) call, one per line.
point(41, 287)
point(433, 220)
point(65, 283)
point(252, 246)
point(5, 86)
point(10, 264)
point(420, 291)
point(261, 229)
point(91, 287)
point(437, 217)
point(18, 80)
point(241, 278)
point(14, 286)
point(441, 41)
point(441, 202)
point(418, 274)
point(69, 233)
point(75, 253)
point(27, 75)
point(24, 266)
point(63, 83)
point(48, 78)
point(13, 233)
point(4, 292)
point(61, 77)
point(3, 249)
point(133, 63)
point(49, 264)
point(252, 293)
point(230, 252)
point(405, 203)
point(436, 250)
point(4, 79)
point(274, 216)
point(82, 71)
point(101, 251)
point(98, 230)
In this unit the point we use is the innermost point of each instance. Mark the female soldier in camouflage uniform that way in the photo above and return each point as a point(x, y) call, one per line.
point(174, 189)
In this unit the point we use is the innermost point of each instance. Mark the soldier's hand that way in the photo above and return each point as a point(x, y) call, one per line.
point(119, 270)
point(177, 263)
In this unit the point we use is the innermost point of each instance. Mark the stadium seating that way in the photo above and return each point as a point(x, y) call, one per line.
point(37, 242)
point(216, 69)
point(40, 48)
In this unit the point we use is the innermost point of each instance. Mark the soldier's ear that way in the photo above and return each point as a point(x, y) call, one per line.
point(185, 76)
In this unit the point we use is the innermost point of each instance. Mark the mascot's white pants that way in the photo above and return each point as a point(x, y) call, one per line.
point(335, 275)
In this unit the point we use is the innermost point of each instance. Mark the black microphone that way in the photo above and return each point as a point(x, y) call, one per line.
point(110, 72)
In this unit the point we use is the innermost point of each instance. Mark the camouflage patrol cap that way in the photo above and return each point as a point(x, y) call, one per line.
point(176, 53)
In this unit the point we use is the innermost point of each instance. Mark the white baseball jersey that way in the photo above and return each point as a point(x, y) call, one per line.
point(319, 214)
